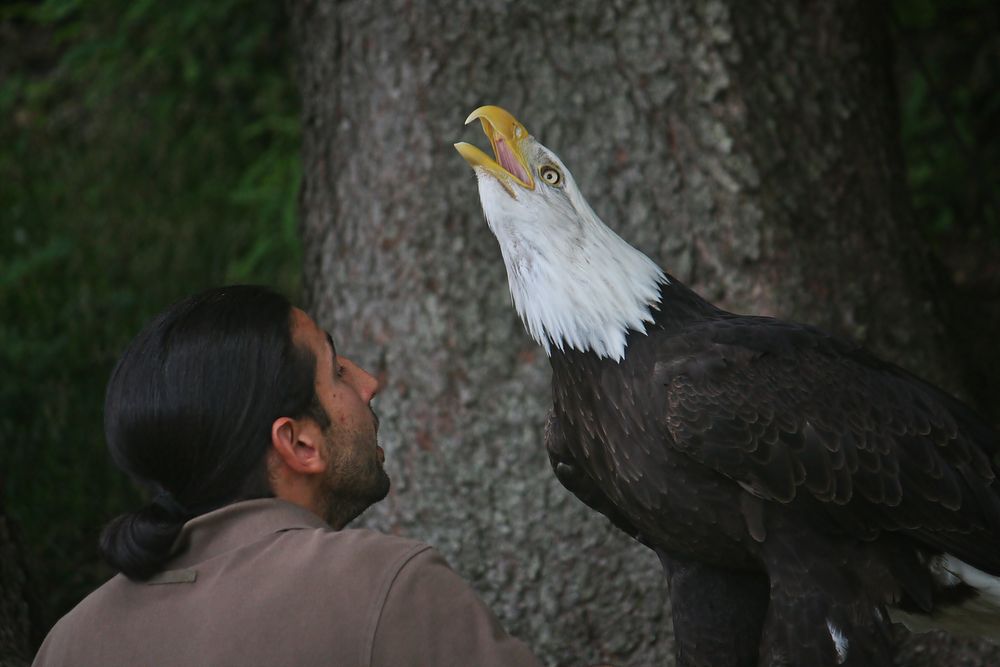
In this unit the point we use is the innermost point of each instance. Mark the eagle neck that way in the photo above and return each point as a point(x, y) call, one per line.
point(680, 306)
point(583, 293)
point(676, 308)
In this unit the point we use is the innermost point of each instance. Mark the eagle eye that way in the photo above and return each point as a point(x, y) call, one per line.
point(550, 174)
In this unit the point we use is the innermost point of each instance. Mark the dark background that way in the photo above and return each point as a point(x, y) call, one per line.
point(150, 149)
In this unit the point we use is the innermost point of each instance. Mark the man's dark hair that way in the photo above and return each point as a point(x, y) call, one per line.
point(189, 409)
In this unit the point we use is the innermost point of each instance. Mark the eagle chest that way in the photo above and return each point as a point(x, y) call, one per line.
point(610, 427)
point(611, 417)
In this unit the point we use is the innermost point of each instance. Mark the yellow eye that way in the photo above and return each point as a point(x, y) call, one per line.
point(550, 175)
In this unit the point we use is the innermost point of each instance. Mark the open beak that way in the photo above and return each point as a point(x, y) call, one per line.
point(506, 135)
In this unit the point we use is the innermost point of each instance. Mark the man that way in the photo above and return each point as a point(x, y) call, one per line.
point(258, 443)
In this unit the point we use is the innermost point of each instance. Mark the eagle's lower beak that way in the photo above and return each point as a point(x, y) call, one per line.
point(506, 135)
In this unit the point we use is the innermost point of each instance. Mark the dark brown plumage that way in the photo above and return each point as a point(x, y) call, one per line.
point(750, 444)
point(796, 488)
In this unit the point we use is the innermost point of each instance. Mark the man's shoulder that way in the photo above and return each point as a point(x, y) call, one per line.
point(79, 621)
point(353, 547)
point(365, 541)
point(351, 550)
point(338, 571)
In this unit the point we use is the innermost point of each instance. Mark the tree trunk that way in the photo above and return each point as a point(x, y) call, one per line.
point(15, 619)
point(751, 151)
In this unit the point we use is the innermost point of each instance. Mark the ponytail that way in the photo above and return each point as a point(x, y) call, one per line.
point(138, 543)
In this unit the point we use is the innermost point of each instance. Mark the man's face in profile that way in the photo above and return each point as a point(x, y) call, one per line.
point(355, 477)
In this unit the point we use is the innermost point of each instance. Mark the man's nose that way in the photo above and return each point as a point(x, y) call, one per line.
point(365, 383)
point(372, 386)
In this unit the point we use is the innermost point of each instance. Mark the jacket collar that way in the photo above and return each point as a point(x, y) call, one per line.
point(236, 525)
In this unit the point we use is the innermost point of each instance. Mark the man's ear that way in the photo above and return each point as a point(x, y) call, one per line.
point(298, 443)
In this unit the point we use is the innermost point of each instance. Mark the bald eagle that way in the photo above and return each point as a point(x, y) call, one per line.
point(800, 493)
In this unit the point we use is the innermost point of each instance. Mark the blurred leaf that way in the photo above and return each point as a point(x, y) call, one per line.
point(949, 73)
point(33, 260)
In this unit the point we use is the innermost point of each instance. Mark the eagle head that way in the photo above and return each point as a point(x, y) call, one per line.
point(574, 282)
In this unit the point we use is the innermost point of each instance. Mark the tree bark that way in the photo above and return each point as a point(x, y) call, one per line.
point(751, 150)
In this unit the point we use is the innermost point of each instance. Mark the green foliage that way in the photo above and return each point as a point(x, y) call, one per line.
point(949, 52)
point(148, 150)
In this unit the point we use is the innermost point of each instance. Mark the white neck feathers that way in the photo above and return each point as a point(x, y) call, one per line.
point(575, 283)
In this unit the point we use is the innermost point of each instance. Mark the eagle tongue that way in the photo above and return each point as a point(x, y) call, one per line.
point(507, 160)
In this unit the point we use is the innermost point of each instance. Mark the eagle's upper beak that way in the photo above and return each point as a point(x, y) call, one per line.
point(506, 136)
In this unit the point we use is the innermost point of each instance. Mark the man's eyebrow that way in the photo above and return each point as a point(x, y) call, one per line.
point(329, 341)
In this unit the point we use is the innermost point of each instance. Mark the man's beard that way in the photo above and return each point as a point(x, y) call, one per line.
point(351, 486)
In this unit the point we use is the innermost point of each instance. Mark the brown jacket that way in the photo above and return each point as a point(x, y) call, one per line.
point(265, 582)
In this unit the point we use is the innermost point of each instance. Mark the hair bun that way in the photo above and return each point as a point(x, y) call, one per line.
point(139, 543)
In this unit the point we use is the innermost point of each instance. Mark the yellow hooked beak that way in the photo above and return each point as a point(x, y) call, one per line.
point(506, 135)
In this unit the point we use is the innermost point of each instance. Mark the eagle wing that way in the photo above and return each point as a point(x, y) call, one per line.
point(796, 416)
